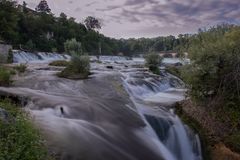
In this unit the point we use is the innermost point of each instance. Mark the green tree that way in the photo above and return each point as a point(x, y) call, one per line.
point(79, 66)
point(152, 61)
point(215, 72)
point(43, 7)
point(73, 47)
point(8, 20)
point(92, 23)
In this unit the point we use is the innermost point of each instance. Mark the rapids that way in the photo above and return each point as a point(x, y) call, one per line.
point(124, 113)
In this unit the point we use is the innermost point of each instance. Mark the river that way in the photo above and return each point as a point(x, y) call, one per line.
point(124, 113)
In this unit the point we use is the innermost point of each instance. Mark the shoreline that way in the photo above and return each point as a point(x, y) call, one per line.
point(198, 119)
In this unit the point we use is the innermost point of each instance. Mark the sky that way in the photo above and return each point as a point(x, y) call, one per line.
point(148, 18)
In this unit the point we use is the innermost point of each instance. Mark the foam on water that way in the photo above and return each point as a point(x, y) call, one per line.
point(151, 95)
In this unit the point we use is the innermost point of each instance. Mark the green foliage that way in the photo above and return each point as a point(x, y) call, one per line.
point(152, 61)
point(43, 7)
point(47, 32)
point(30, 45)
point(176, 71)
point(79, 68)
point(5, 76)
point(18, 138)
point(61, 63)
point(21, 68)
point(92, 23)
point(73, 47)
point(8, 20)
point(214, 71)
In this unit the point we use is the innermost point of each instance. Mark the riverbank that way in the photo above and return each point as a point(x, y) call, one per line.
point(216, 139)
point(19, 139)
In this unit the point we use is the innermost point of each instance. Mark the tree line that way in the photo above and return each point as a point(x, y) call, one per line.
point(40, 30)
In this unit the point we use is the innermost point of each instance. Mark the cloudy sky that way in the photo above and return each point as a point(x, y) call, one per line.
point(148, 18)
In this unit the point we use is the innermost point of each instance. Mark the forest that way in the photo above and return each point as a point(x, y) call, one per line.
point(40, 30)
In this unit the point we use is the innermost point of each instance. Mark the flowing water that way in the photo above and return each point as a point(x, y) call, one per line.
point(122, 113)
point(40, 57)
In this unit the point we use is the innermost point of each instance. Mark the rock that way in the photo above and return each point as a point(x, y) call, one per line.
point(109, 67)
point(4, 115)
point(178, 64)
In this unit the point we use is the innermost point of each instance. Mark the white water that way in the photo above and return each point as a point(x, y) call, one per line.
point(152, 95)
point(98, 124)
point(28, 57)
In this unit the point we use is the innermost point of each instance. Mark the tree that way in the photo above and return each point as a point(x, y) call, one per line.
point(79, 66)
point(43, 7)
point(8, 20)
point(92, 23)
point(24, 5)
point(214, 73)
point(73, 47)
point(152, 61)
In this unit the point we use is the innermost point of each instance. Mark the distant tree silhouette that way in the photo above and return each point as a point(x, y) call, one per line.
point(24, 5)
point(43, 7)
point(92, 23)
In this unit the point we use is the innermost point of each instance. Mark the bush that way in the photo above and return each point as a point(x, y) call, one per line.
point(78, 68)
point(59, 63)
point(73, 47)
point(21, 68)
point(5, 77)
point(18, 138)
point(215, 71)
point(152, 61)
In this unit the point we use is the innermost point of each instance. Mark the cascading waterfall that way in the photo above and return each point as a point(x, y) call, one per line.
point(95, 118)
point(180, 142)
point(28, 57)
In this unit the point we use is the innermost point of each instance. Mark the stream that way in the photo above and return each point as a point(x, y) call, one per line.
point(124, 113)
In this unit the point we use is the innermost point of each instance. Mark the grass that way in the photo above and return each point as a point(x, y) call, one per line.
point(5, 76)
point(59, 63)
point(19, 139)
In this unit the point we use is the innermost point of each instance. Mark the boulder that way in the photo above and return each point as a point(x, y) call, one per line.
point(109, 67)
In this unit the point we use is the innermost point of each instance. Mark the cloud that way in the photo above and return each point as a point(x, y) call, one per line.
point(78, 9)
point(91, 3)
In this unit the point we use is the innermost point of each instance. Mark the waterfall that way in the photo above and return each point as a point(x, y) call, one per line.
point(151, 95)
point(97, 119)
point(29, 57)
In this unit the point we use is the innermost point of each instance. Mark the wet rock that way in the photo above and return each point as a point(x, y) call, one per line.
point(109, 67)
point(4, 116)
point(178, 64)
